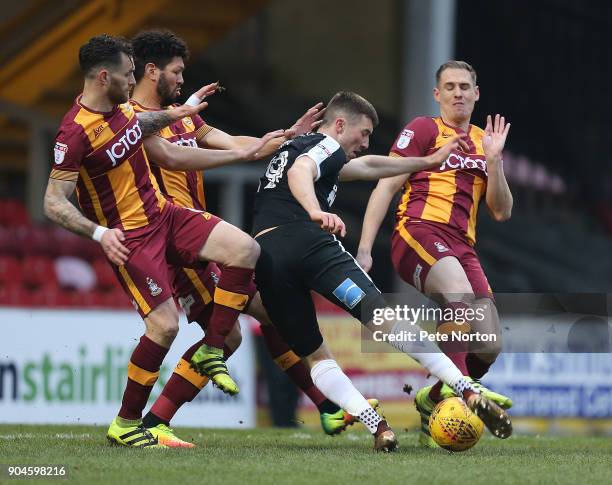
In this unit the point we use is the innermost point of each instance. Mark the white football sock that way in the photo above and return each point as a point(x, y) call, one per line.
point(370, 419)
point(337, 387)
point(431, 357)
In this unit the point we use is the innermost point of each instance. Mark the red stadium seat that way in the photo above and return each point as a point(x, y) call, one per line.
point(89, 249)
point(36, 240)
point(95, 299)
point(69, 244)
point(119, 300)
point(33, 297)
point(106, 277)
point(13, 295)
point(13, 213)
point(10, 271)
point(8, 241)
point(38, 271)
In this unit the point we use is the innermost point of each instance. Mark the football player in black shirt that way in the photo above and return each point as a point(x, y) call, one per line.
point(300, 252)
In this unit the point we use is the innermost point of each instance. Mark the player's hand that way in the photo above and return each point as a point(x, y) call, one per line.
point(329, 222)
point(307, 122)
point(196, 102)
point(439, 157)
point(185, 110)
point(207, 90)
point(364, 259)
point(494, 140)
point(112, 244)
point(252, 151)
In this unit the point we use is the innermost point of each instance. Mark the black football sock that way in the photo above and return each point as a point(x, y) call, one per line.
point(151, 420)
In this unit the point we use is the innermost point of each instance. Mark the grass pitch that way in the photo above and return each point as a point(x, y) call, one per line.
point(273, 456)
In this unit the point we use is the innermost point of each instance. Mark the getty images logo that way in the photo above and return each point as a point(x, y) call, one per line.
point(130, 138)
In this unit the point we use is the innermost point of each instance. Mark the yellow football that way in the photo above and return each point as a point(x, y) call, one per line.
point(454, 426)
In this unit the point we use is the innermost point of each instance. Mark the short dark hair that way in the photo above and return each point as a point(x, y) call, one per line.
point(452, 64)
point(102, 50)
point(351, 104)
point(158, 47)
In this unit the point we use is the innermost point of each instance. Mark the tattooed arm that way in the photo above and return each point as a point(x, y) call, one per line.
point(153, 121)
point(61, 211)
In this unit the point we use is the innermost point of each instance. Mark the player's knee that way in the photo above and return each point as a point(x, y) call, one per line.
point(166, 328)
point(170, 332)
point(163, 322)
point(245, 253)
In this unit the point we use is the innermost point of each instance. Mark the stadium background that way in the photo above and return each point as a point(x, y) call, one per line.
point(66, 327)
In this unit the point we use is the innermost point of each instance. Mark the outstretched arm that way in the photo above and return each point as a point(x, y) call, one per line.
point(60, 210)
point(220, 140)
point(378, 205)
point(153, 121)
point(374, 167)
point(182, 158)
point(499, 198)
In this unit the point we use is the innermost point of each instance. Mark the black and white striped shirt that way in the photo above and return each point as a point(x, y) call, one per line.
point(274, 202)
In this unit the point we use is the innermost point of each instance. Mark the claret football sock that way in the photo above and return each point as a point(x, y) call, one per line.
point(434, 393)
point(234, 291)
point(143, 371)
point(476, 367)
point(293, 366)
point(182, 387)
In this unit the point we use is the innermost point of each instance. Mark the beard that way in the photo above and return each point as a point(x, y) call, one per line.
point(116, 93)
point(166, 95)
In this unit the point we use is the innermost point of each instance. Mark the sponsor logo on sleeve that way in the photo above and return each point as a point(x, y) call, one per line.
point(319, 153)
point(349, 293)
point(326, 150)
point(59, 152)
point(404, 139)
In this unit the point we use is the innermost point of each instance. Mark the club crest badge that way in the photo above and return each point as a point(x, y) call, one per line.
point(153, 287)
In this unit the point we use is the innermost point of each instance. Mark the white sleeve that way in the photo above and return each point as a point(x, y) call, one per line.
point(321, 152)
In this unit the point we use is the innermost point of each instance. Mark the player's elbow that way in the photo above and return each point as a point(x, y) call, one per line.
point(50, 205)
point(47, 206)
point(169, 164)
point(502, 215)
